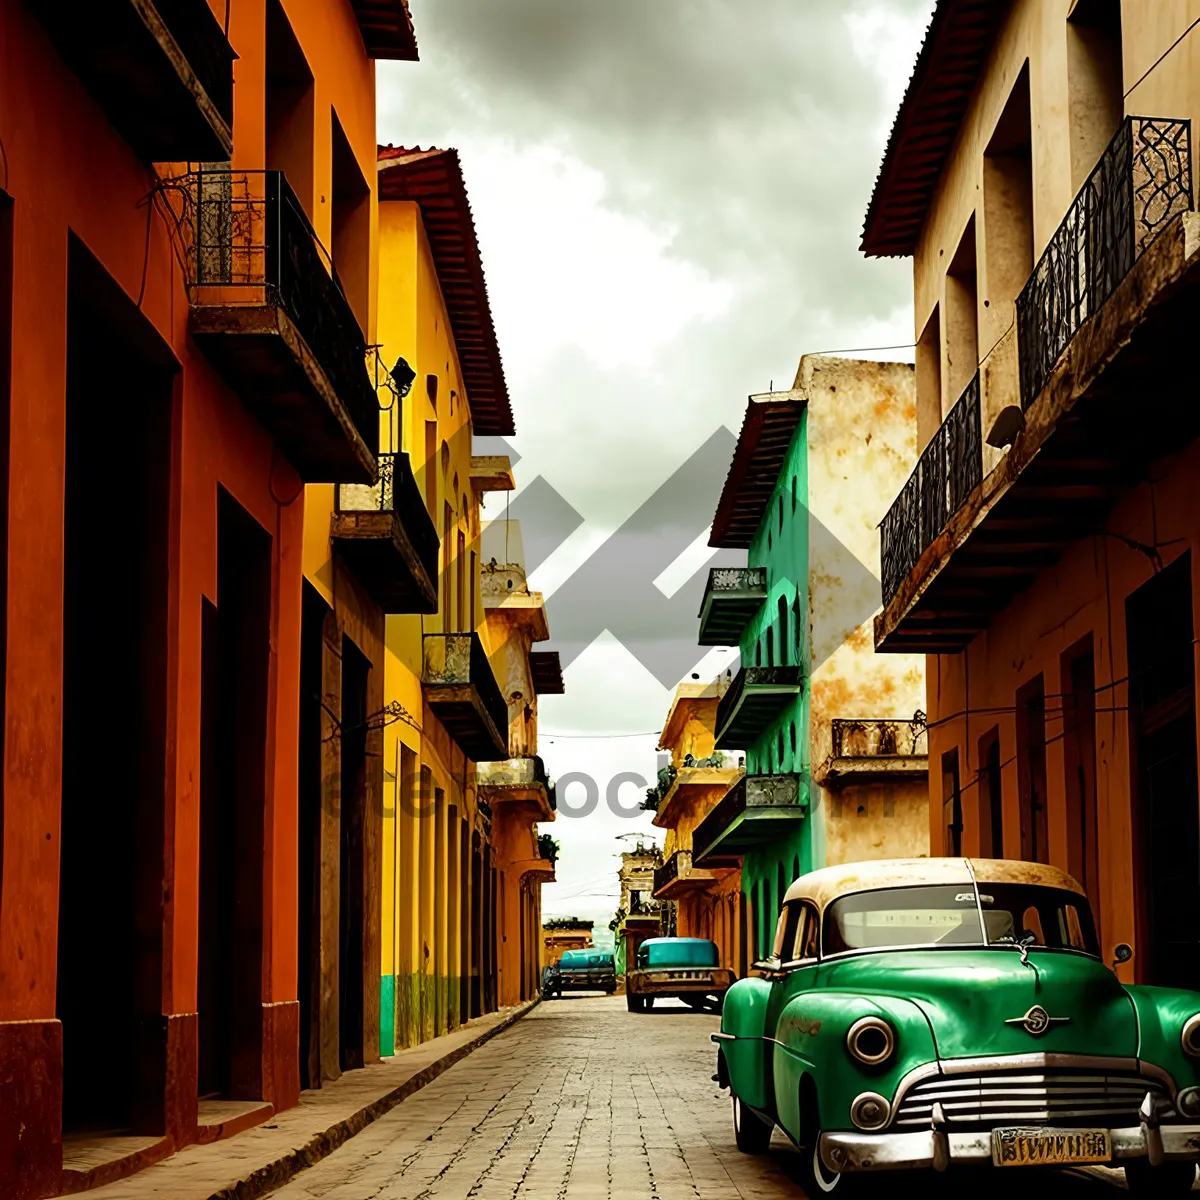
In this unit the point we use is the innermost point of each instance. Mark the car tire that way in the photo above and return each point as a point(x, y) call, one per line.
point(1171, 1179)
point(815, 1177)
point(750, 1131)
point(633, 1003)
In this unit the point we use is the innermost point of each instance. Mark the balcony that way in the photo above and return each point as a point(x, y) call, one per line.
point(268, 311)
point(677, 877)
point(695, 781)
point(732, 598)
point(1103, 327)
point(948, 471)
point(757, 697)
point(162, 70)
point(758, 809)
point(517, 781)
point(386, 537)
point(461, 691)
point(877, 750)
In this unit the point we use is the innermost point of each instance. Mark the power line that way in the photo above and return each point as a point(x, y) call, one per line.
point(863, 349)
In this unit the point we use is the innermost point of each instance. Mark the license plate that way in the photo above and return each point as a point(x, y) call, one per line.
point(1050, 1147)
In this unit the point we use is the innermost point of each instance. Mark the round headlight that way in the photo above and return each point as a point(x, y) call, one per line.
point(1188, 1102)
point(871, 1040)
point(1190, 1037)
point(869, 1111)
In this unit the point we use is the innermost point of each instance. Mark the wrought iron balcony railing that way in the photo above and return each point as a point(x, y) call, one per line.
point(389, 539)
point(1142, 181)
point(247, 239)
point(680, 863)
point(733, 596)
point(747, 816)
point(880, 738)
point(754, 700)
point(460, 687)
point(949, 469)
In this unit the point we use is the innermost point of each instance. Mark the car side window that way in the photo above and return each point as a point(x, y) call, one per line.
point(807, 934)
point(785, 931)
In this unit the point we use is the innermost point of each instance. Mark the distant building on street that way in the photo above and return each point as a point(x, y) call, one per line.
point(562, 934)
point(833, 734)
point(697, 901)
point(637, 911)
point(1044, 553)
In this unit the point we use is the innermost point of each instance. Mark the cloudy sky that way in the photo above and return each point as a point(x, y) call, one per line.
point(668, 195)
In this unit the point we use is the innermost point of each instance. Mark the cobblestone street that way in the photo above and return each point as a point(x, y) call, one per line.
point(582, 1100)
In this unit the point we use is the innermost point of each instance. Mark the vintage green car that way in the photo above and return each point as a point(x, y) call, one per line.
point(687, 969)
point(936, 1012)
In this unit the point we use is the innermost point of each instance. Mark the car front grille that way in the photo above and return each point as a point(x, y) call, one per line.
point(1045, 1096)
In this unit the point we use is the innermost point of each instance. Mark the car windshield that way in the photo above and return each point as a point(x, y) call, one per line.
point(1014, 915)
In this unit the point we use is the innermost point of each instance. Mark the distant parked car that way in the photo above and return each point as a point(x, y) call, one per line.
point(686, 969)
point(587, 971)
point(946, 1012)
point(550, 982)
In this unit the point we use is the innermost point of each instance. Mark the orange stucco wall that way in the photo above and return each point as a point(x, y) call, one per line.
point(1083, 595)
point(70, 173)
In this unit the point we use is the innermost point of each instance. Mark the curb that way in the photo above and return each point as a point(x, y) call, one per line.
point(275, 1174)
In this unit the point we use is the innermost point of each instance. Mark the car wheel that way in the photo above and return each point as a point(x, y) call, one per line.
point(750, 1131)
point(1171, 1179)
point(633, 1003)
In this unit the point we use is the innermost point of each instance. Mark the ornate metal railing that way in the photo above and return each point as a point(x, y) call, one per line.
point(751, 677)
point(199, 34)
point(949, 469)
point(464, 661)
point(247, 229)
point(751, 791)
point(396, 491)
point(1142, 181)
point(737, 579)
point(643, 908)
point(679, 864)
point(881, 738)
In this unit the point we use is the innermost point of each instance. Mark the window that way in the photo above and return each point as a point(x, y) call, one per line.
point(1031, 771)
point(962, 318)
point(1095, 88)
point(1008, 213)
point(929, 379)
point(793, 493)
point(991, 807)
point(952, 821)
point(783, 630)
point(350, 225)
point(780, 514)
point(430, 468)
point(786, 930)
point(770, 647)
point(290, 113)
point(805, 945)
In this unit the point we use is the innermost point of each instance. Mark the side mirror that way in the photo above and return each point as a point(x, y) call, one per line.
point(1122, 954)
point(767, 965)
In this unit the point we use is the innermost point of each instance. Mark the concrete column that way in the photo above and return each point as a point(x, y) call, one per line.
point(453, 916)
point(440, 905)
point(425, 872)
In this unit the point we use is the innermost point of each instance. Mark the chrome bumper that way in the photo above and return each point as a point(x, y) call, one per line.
point(845, 1152)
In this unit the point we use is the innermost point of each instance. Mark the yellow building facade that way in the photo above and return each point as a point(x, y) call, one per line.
point(697, 902)
point(445, 919)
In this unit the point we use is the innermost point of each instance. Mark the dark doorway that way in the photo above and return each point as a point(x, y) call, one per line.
point(1079, 761)
point(952, 816)
point(465, 924)
point(352, 875)
point(1162, 696)
point(1095, 82)
point(743, 937)
point(6, 298)
point(477, 927)
point(1031, 771)
point(119, 402)
point(233, 731)
point(991, 800)
point(312, 687)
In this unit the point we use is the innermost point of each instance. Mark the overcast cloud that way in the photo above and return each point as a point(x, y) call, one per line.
point(669, 195)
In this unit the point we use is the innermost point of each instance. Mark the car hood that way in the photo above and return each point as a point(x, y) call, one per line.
point(969, 998)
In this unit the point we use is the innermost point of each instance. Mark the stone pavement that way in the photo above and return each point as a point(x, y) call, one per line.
point(582, 1100)
point(254, 1162)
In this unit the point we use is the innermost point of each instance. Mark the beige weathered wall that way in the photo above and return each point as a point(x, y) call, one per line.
point(861, 449)
point(877, 820)
point(1068, 120)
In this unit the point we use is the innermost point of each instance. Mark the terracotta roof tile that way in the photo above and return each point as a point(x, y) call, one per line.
point(387, 28)
point(433, 180)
